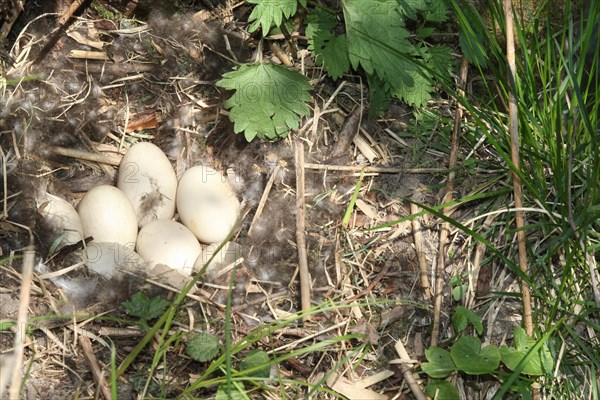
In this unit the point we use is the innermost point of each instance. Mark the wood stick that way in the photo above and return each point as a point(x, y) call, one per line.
point(84, 155)
point(445, 227)
point(369, 170)
point(264, 198)
point(418, 238)
point(21, 333)
point(90, 357)
point(517, 185)
point(407, 372)
point(305, 295)
point(513, 114)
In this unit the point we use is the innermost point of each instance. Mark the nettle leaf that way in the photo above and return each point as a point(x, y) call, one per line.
point(536, 363)
point(144, 308)
point(258, 359)
point(379, 43)
point(469, 357)
point(436, 11)
point(463, 317)
point(442, 390)
point(440, 59)
point(271, 12)
point(430, 10)
point(380, 19)
point(203, 347)
point(331, 50)
point(440, 363)
point(269, 100)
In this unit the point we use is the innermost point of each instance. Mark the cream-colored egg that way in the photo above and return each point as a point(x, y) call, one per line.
point(222, 261)
point(62, 215)
point(169, 243)
point(111, 259)
point(147, 178)
point(108, 216)
point(207, 204)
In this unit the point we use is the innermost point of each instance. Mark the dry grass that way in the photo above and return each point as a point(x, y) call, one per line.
point(68, 118)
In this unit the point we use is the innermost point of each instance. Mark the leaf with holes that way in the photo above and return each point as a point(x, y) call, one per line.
point(439, 363)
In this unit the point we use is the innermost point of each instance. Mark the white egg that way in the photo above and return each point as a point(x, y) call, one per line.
point(169, 243)
point(108, 216)
point(147, 178)
point(223, 260)
point(62, 215)
point(109, 259)
point(207, 204)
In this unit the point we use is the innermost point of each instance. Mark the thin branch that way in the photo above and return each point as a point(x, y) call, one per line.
point(21, 334)
point(445, 228)
point(517, 185)
point(305, 294)
point(422, 260)
point(407, 372)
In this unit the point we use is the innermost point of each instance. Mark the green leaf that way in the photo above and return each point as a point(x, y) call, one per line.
point(6, 325)
point(440, 59)
point(442, 390)
point(380, 19)
point(436, 11)
point(439, 363)
point(379, 43)
point(203, 347)
point(459, 291)
point(269, 100)
point(472, 36)
point(469, 357)
point(331, 50)
point(232, 394)
point(463, 317)
point(271, 12)
point(144, 308)
point(534, 363)
point(256, 359)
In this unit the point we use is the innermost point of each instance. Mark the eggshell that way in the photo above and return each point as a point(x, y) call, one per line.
point(169, 243)
point(110, 259)
point(207, 204)
point(147, 178)
point(222, 261)
point(108, 216)
point(62, 215)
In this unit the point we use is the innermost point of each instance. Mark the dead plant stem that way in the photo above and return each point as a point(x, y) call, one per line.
point(422, 260)
point(409, 378)
point(305, 295)
point(21, 333)
point(517, 185)
point(445, 228)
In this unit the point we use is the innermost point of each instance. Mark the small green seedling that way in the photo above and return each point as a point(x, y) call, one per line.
point(459, 288)
point(145, 308)
point(203, 347)
point(468, 356)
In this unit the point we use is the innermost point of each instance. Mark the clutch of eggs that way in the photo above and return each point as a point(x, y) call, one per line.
point(146, 196)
